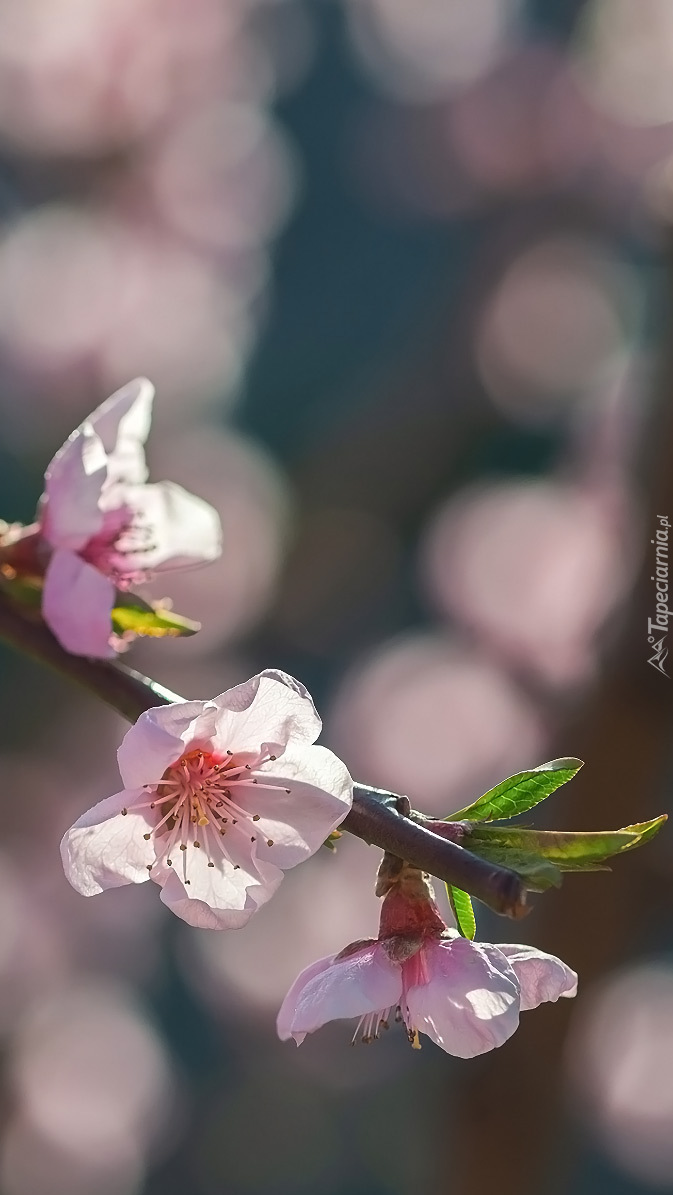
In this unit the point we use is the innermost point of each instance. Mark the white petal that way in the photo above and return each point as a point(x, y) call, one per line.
point(298, 821)
point(74, 480)
point(157, 740)
point(171, 529)
point(270, 709)
point(217, 897)
point(123, 424)
point(77, 602)
point(105, 848)
point(541, 976)
point(365, 981)
point(470, 1003)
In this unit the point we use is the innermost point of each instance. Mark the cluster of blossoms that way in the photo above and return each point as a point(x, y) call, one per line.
point(221, 797)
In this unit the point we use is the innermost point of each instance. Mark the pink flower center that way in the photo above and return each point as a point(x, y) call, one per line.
point(203, 798)
point(118, 548)
point(414, 974)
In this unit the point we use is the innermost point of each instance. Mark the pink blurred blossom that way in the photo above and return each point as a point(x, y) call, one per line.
point(620, 1064)
point(107, 528)
point(534, 568)
point(417, 52)
point(426, 716)
point(94, 1089)
point(555, 326)
point(83, 77)
point(250, 493)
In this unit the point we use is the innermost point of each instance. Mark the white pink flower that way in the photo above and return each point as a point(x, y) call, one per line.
point(466, 996)
point(220, 798)
point(107, 528)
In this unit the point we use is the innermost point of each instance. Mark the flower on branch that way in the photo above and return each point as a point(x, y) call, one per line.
point(107, 528)
point(220, 798)
point(466, 996)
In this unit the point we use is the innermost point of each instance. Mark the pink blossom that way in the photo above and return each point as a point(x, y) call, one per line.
point(466, 996)
point(107, 528)
point(220, 798)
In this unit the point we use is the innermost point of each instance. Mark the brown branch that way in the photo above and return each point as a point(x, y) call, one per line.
point(378, 817)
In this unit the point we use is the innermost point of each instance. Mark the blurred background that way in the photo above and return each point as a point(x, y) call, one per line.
point(399, 271)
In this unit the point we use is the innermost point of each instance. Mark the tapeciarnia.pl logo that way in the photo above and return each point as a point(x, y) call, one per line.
point(657, 627)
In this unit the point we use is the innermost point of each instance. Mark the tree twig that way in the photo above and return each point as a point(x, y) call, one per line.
point(378, 817)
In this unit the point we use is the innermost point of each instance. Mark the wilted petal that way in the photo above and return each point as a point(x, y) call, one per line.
point(541, 976)
point(470, 1003)
point(77, 602)
point(105, 848)
point(157, 740)
point(298, 822)
point(171, 529)
point(217, 897)
point(123, 424)
point(73, 484)
point(271, 708)
point(363, 982)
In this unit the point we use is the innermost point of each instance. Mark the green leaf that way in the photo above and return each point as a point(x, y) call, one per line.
point(462, 910)
point(563, 851)
point(519, 793)
point(154, 621)
point(24, 590)
point(331, 842)
point(537, 872)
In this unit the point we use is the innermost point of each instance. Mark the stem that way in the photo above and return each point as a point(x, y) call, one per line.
point(377, 816)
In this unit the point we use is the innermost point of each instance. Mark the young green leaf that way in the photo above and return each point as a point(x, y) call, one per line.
point(462, 910)
point(564, 851)
point(154, 621)
point(519, 793)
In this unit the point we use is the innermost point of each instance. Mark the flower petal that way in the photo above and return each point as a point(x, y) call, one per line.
point(123, 424)
point(76, 604)
point(470, 1003)
point(157, 740)
point(73, 483)
point(541, 976)
point(171, 529)
point(362, 982)
point(105, 848)
point(288, 1008)
point(217, 897)
point(298, 822)
point(269, 710)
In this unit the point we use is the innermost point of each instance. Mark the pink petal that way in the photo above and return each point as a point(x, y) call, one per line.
point(157, 740)
point(105, 848)
point(541, 976)
point(288, 1008)
point(123, 422)
point(171, 529)
point(272, 708)
point(470, 1003)
point(74, 480)
point(77, 602)
point(366, 981)
point(216, 897)
point(298, 821)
